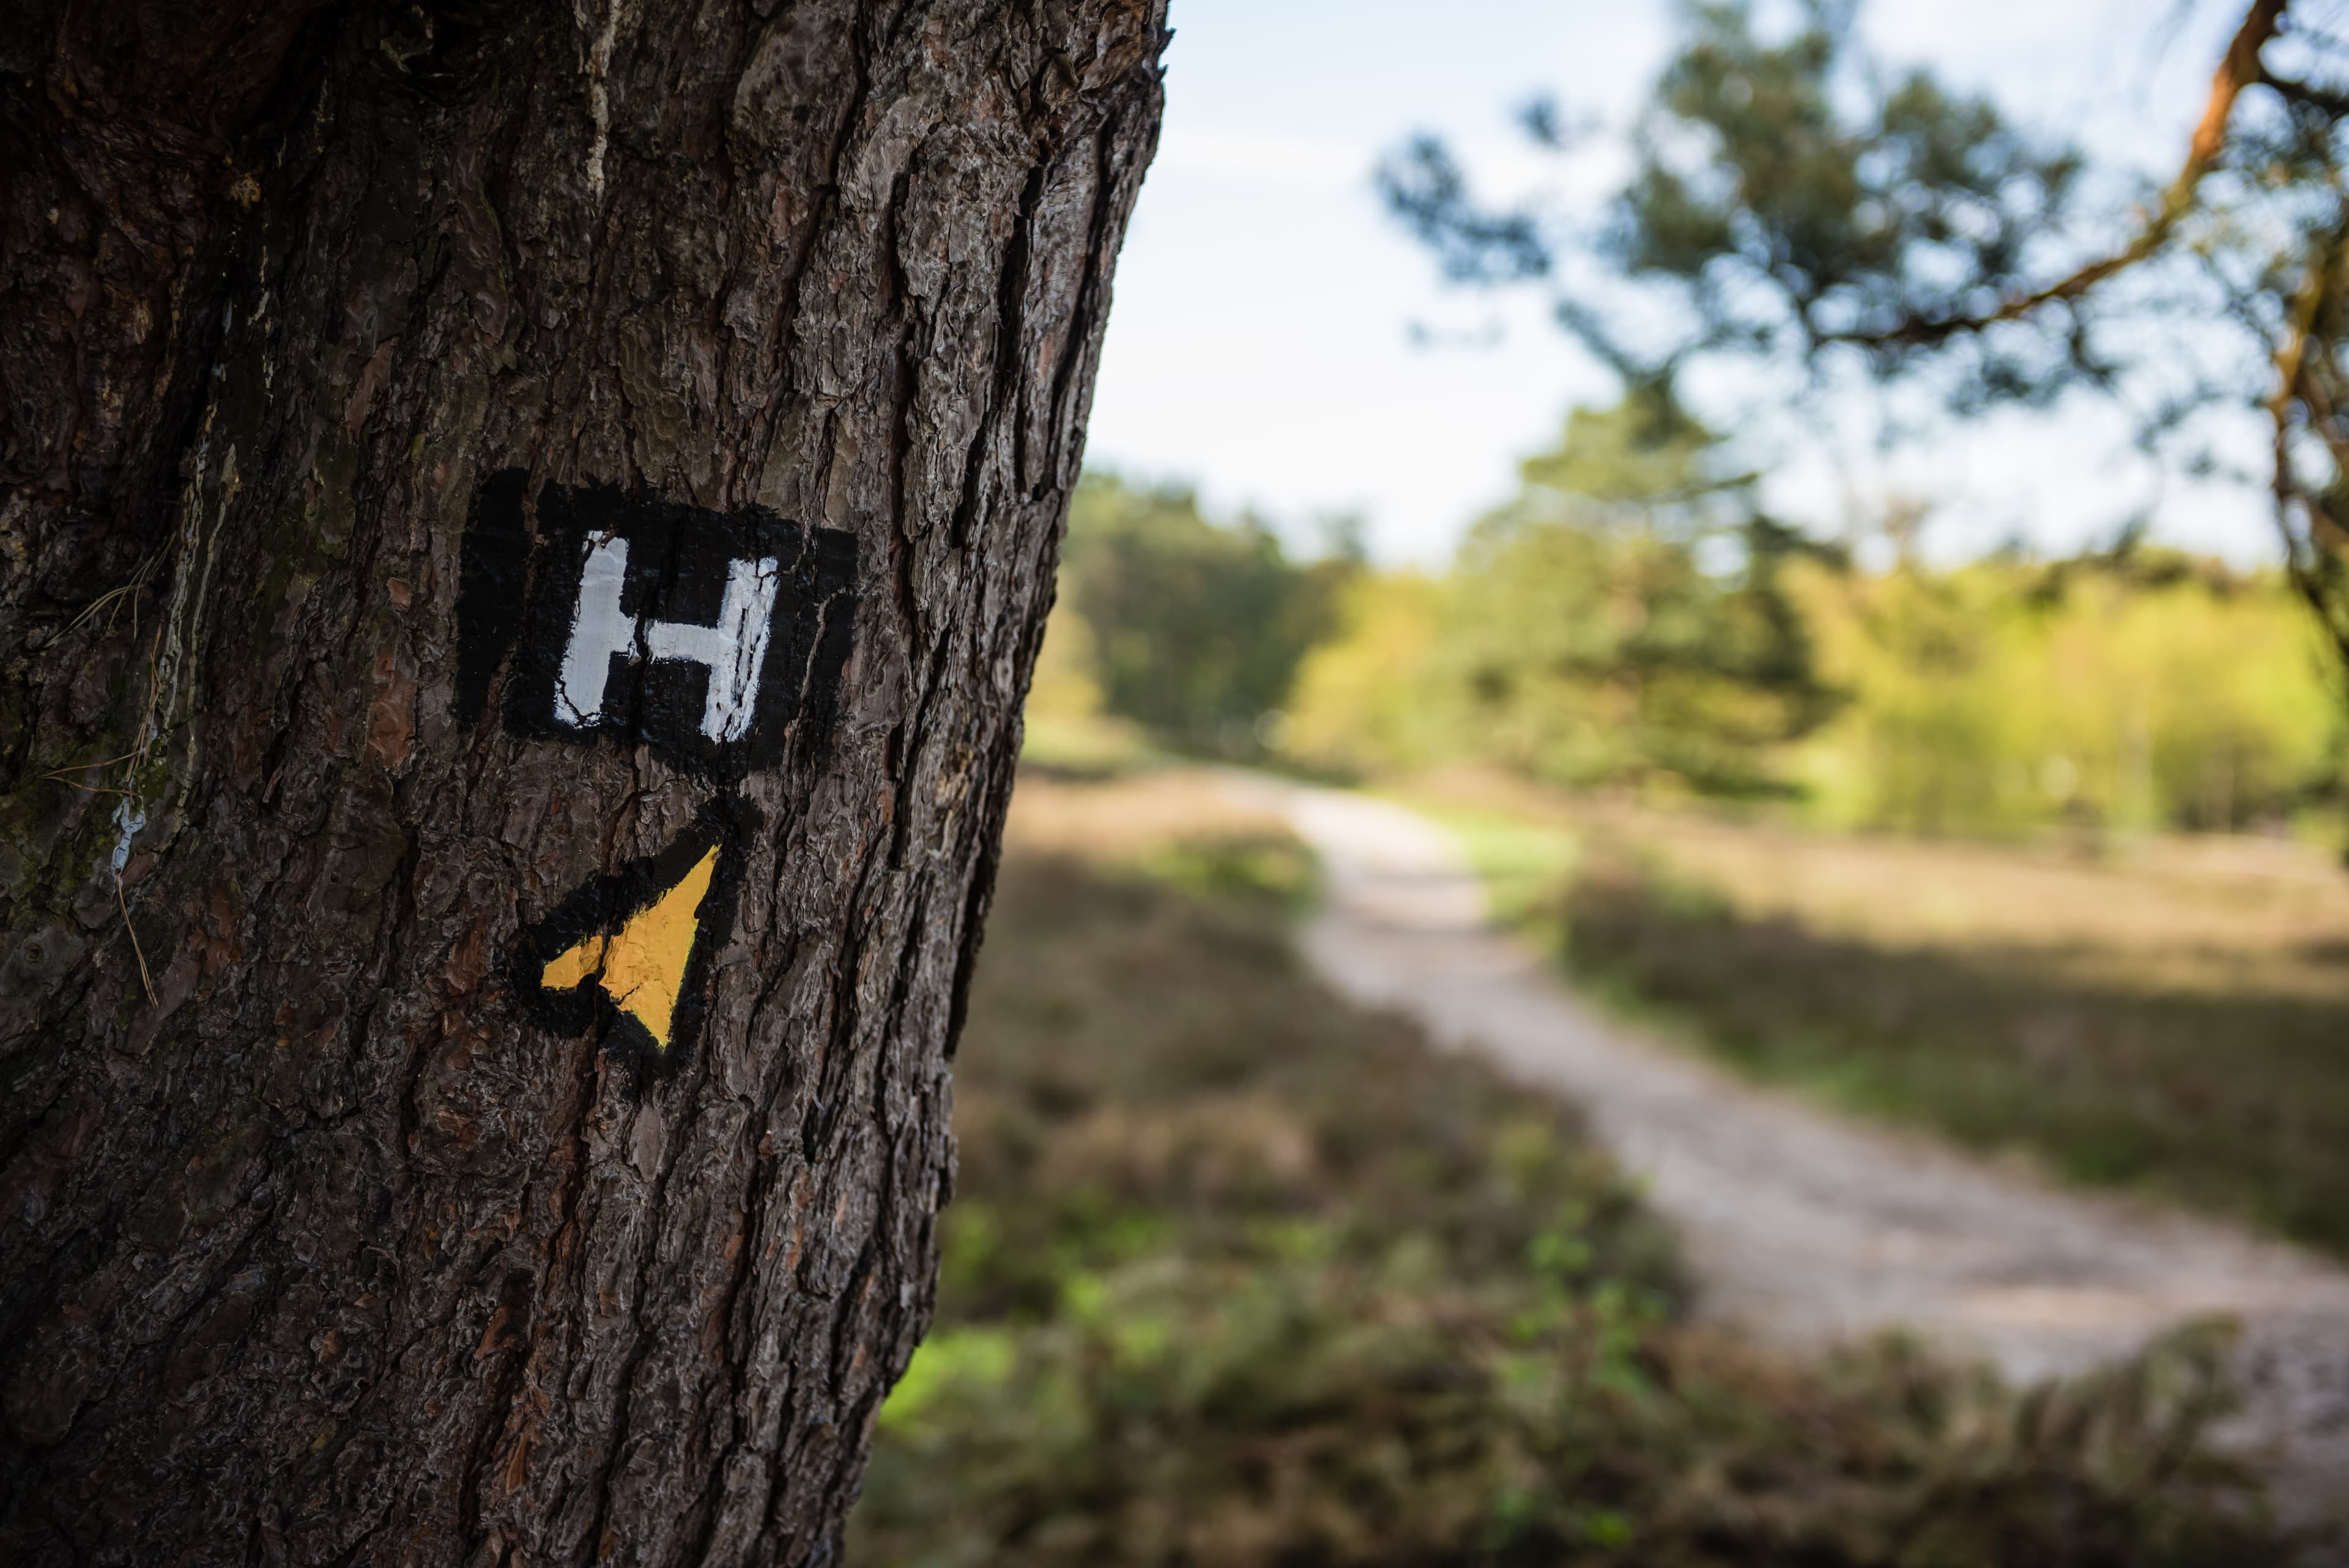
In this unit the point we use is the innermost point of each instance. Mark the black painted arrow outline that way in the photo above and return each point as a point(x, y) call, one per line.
point(603, 905)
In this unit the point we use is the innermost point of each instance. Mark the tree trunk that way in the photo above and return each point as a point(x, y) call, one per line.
point(526, 529)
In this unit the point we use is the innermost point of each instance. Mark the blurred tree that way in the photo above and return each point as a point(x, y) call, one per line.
point(1784, 197)
point(2135, 690)
point(1621, 619)
point(1363, 701)
point(1627, 618)
point(1192, 629)
point(1794, 202)
point(1588, 636)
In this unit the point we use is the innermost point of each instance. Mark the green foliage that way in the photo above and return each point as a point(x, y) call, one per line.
point(2142, 691)
point(1190, 630)
point(1269, 866)
point(1238, 1275)
point(1364, 701)
point(1587, 635)
point(1798, 207)
point(1581, 637)
point(1785, 193)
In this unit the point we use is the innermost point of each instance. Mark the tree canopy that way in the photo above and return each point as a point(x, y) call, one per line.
point(1632, 617)
point(1620, 618)
point(1191, 629)
point(1792, 202)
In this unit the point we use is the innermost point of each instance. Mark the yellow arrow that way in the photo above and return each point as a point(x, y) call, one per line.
point(641, 967)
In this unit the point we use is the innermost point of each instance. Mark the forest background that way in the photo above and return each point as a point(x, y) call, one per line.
point(1795, 246)
point(1631, 621)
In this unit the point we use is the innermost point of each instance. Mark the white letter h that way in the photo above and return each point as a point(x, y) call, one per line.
point(734, 651)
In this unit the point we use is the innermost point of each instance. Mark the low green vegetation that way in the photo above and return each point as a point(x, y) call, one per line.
point(2236, 1101)
point(1237, 1274)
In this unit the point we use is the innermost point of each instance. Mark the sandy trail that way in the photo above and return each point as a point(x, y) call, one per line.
point(1806, 1229)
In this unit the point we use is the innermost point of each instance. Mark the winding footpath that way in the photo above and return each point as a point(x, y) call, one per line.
point(1803, 1228)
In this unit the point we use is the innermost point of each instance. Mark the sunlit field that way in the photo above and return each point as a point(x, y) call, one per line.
point(2166, 1013)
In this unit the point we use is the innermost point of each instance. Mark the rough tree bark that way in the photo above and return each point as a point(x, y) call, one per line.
point(321, 1239)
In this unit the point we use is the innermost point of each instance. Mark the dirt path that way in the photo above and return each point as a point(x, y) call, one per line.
point(1806, 1229)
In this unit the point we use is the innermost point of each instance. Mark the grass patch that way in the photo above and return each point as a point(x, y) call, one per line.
point(1272, 868)
point(2236, 1101)
point(1237, 1274)
point(1521, 862)
point(1084, 746)
point(2168, 1015)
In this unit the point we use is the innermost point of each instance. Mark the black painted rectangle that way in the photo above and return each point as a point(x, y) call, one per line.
point(519, 599)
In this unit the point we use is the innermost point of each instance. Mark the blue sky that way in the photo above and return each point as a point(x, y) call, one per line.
point(1260, 343)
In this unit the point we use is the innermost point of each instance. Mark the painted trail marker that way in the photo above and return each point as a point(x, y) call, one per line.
point(714, 637)
point(718, 641)
point(631, 954)
point(641, 966)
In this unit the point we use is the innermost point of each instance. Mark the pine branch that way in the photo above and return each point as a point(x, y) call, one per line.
point(2240, 69)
